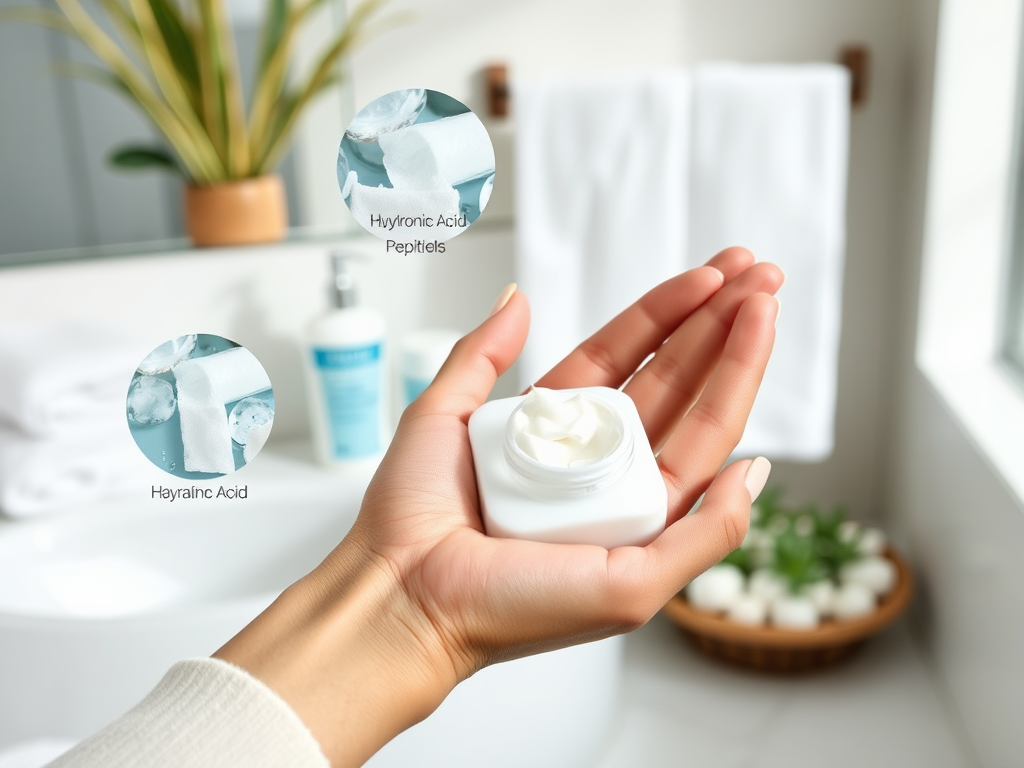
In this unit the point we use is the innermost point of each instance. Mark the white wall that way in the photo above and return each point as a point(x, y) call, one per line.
point(454, 39)
point(260, 297)
point(263, 301)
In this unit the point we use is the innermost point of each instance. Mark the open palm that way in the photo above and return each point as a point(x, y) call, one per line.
point(486, 599)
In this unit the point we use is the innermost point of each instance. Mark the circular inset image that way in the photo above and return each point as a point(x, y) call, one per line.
point(200, 406)
point(416, 164)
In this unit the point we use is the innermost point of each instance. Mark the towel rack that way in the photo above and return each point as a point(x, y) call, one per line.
point(856, 58)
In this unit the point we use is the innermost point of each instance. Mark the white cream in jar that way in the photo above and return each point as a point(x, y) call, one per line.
point(567, 466)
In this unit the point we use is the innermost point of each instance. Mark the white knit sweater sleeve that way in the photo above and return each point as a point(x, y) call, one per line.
point(204, 713)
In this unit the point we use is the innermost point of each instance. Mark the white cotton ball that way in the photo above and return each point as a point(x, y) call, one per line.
point(847, 530)
point(875, 573)
point(852, 601)
point(749, 609)
point(822, 594)
point(872, 542)
point(717, 589)
point(767, 585)
point(794, 612)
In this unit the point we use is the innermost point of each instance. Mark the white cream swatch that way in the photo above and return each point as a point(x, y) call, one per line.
point(561, 431)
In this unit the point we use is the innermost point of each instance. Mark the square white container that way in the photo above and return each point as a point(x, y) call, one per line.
point(630, 510)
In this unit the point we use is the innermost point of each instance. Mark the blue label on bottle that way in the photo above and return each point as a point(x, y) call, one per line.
point(351, 380)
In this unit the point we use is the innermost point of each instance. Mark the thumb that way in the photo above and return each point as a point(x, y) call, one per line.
point(479, 358)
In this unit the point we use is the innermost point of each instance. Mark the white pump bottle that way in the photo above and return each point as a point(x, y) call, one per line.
point(346, 375)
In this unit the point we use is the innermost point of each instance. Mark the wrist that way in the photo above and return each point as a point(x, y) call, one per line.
point(351, 654)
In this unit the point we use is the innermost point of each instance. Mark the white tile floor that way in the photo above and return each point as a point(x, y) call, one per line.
point(879, 710)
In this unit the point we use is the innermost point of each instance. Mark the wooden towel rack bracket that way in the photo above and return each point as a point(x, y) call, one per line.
point(857, 59)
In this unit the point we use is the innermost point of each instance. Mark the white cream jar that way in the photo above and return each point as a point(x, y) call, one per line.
point(567, 466)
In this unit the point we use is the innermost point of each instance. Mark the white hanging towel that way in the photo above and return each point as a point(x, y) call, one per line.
point(614, 195)
point(768, 171)
point(601, 201)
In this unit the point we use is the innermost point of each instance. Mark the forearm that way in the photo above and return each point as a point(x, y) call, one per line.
point(349, 653)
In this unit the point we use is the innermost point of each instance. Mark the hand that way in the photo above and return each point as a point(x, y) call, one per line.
point(417, 597)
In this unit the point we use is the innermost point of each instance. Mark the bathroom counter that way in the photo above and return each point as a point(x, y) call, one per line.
point(883, 708)
point(676, 708)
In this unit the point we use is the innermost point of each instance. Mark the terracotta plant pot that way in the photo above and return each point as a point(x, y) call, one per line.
point(237, 212)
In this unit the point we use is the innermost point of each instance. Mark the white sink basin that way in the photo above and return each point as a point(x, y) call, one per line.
point(95, 605)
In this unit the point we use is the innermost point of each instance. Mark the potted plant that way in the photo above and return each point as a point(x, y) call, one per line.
point(176, 60)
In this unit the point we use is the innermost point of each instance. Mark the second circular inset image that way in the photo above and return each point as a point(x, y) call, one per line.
point(416, 163)
point(200, 406)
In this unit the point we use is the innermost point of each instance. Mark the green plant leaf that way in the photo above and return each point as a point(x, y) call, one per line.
point(136, 157)
point(176, 60)
point(796, 560)
point(190, 144)
point(162, 66)
point(223, 103)
point(212, 115)
point(275, 23)
point(125, 24)
point(270, 85)
point(179, 46)
point(274, 145)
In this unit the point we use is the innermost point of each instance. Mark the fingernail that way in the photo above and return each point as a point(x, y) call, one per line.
point(721, 276)
point(502, 299)
point(757, 476)
point(778, 311)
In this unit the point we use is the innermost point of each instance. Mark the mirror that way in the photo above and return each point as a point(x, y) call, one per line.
point(59, 196)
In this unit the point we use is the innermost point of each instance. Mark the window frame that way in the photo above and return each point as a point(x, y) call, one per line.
point(970, 243)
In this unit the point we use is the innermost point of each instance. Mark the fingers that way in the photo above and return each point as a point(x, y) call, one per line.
point(478, 359)
point(666, 388)
point(541, 594)
point(707, 434)
point(613, 354)
point(693, 544)
point(731, 261)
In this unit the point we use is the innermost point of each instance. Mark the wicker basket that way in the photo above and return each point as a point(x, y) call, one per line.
point(768, 649)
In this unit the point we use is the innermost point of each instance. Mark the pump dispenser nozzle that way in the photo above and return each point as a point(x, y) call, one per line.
point(343, 289)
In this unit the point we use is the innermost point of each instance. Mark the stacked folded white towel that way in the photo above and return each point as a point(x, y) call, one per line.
point(63, 436)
